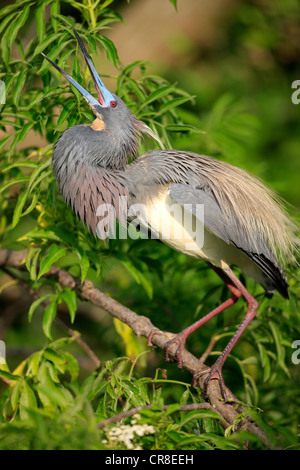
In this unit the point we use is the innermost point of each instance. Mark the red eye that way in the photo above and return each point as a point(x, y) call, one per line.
point(113, 104)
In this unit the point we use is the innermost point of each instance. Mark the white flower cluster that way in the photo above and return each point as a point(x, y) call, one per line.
point(127, 432)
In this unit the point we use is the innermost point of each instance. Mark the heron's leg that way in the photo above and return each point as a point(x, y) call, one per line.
point(215, 372)
point(181, 337)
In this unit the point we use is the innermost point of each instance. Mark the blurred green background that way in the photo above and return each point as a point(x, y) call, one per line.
point(239, 59)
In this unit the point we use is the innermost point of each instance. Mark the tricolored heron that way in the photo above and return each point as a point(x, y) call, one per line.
point(244, 223)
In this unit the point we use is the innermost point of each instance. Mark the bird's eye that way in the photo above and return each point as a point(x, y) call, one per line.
point(113, 104)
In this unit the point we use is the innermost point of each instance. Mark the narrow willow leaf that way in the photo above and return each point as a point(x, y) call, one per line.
point(32, 204)
point(27, 164)
point(49, 316)
point(174, 3)
point(34, 263)
point(25, 131)
point(174, 104)
point(45, 43)
point(37, 172)
point(4, 142)
point(53, 54)
point(21, 179)
point(7, 20)
point(84, 263)
point(13, 31)
point(55, 8)
point(65, 114)
point(8, 375)
point(19, 208)
point(157, 94)
point(110, 49)
point(54, 254)
point(41, 235)
point(40, 21)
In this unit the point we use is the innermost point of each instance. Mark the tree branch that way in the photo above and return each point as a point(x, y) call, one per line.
point(142, 326)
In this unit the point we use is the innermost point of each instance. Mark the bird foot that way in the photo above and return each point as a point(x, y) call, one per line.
point(214, 372)
point(179, 339)
point(156, 331)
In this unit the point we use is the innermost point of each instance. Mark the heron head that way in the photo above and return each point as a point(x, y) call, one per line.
point(110, 111)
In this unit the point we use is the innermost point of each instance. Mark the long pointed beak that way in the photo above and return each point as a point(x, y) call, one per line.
point(104, 96)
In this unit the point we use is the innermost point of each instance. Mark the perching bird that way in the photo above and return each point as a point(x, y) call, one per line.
point(244, 224)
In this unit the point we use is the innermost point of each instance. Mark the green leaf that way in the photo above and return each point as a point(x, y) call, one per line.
point(54, 53)
point(138, 276)
point(173, 104)
point(200, 414)
point(49, 316)
point(11, 33)
point(36, 303)
point(8, 375)
point(7, 21)
point(157, 94)
point(37, 173)
point(34, 264)
point(54, 254)
point(19, 165)
point(40, 21)
point(55, 7)
point(27, 400)
point(111, 51)
point(73, 367)
point(21, 179)
point(69, 296)
point(279, 347)
point(54, 356)
point(65, 114)
point(84, 263)
point(15, 394)
point(19, 208)
point(45, 43)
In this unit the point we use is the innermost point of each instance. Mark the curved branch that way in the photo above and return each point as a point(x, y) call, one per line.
point(142, 326)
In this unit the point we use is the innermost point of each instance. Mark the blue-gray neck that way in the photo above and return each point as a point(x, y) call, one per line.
point(88, 165)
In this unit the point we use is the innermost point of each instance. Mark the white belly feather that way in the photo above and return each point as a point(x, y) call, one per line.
point(178, 228)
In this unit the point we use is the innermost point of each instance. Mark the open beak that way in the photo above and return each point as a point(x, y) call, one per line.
point(104, 96)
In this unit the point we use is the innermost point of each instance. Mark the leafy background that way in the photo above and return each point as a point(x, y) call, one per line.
point(231, 101)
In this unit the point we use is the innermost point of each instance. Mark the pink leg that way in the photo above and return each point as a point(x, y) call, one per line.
point(215, 372)
point(181, 338)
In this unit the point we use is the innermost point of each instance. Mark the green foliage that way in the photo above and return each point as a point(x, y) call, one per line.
point(50, 398)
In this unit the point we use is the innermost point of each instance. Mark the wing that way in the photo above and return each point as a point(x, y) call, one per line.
point(231, 231)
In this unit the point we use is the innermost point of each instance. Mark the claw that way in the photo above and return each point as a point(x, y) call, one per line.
point(153, 332)
point(215, 372)
point(180, 339)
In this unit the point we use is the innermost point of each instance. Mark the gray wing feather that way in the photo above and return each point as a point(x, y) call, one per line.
point(214, 219)
point(228, 229)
